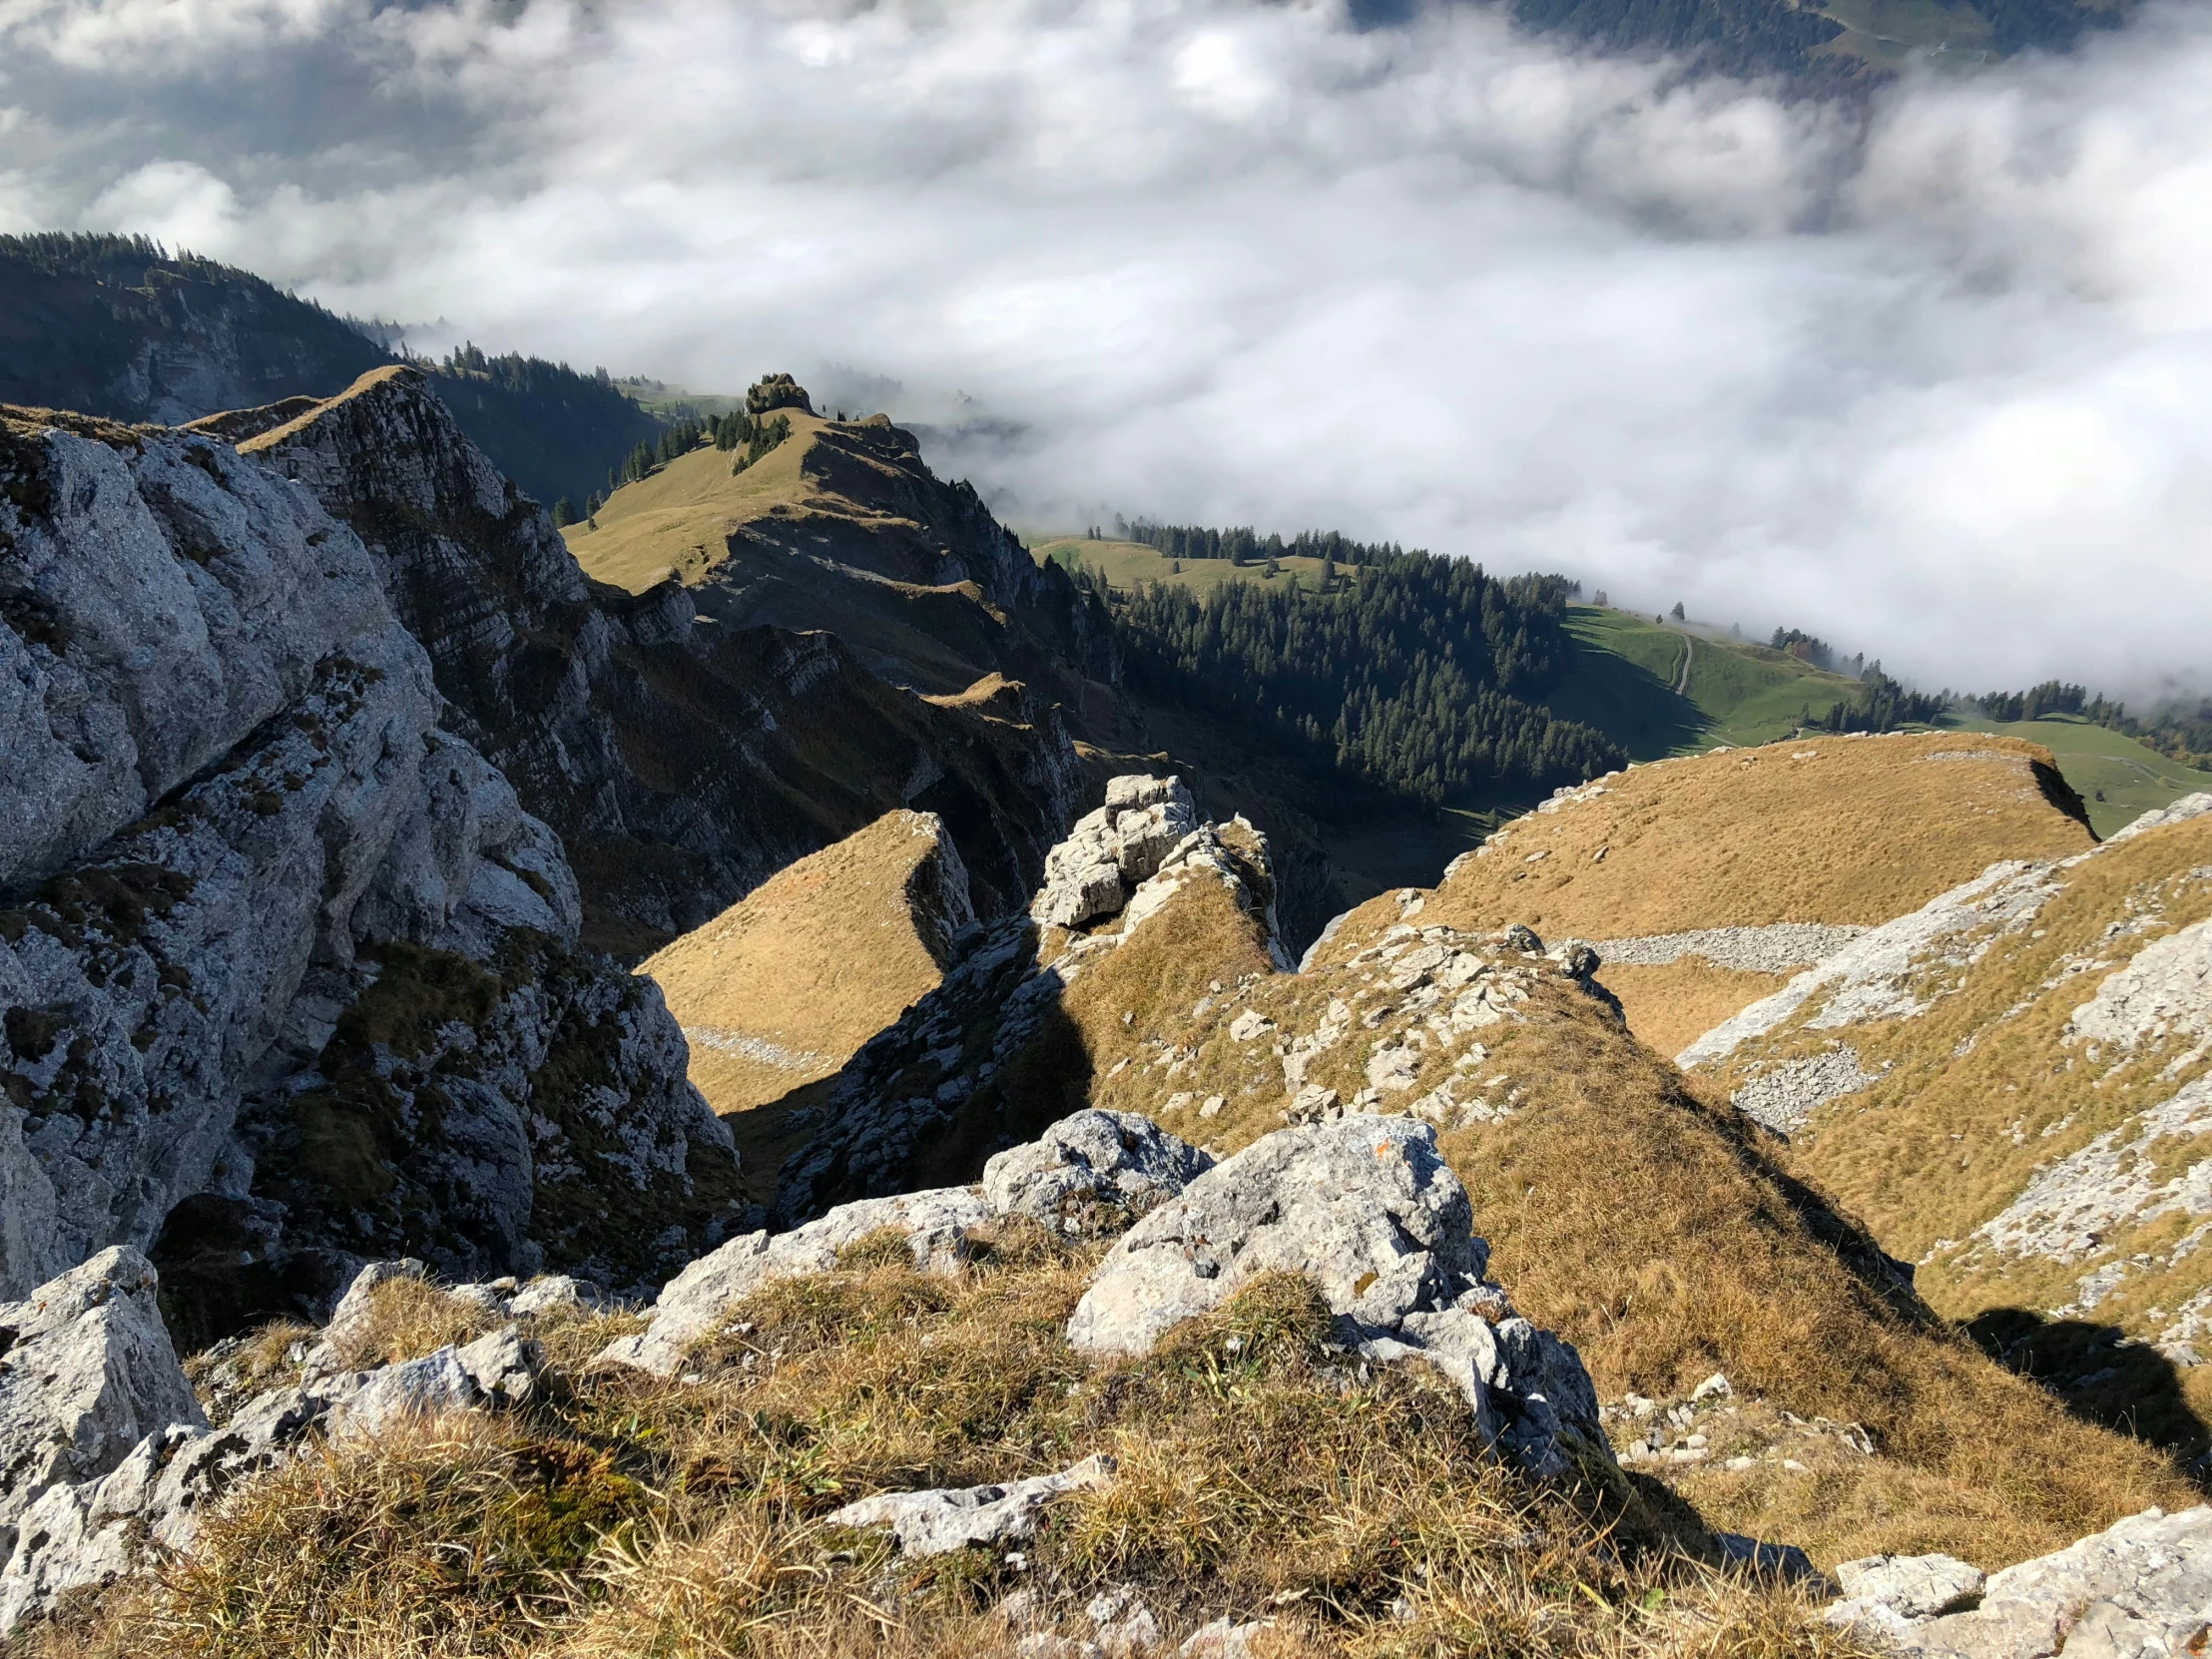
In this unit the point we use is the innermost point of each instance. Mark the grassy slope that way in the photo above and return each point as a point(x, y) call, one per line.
point(1654, 1229)
point(1859, 831)
point(813, 962)
point(841, 529)
point(1983, 1090)
point(2117, 777)
point(676, 522)
point(1737, 692)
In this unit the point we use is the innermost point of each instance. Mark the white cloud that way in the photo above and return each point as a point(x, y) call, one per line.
point(1931, 380)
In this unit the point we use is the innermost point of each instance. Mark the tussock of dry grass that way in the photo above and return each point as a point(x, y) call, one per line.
point(623, 1516)
point(409, 1318)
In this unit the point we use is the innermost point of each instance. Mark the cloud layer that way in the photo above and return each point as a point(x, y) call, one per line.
point(1934, 379)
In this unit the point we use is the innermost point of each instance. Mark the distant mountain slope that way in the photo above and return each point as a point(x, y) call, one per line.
point(117, 326)
point(1657, 689)
point(1706, 881)
point(2117, 777)
point(1829, 39)
point(554, 432)
point(114, 326)
point(842, 526)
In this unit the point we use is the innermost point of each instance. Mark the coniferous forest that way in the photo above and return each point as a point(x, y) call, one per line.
point(1415, 675)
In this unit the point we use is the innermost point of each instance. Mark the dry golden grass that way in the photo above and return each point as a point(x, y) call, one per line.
point(1865, 830)
point(1667, 1239)
point(1669, 1007)
point(623, 1516)
point(1983, 1090)
point(808, 966)
point(408, 1317)
point(676, 522)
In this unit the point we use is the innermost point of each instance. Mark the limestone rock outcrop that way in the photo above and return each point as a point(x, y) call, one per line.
point(950, 1055)
point(1088, 1173)
point(288, 973)
point(86, 1374)
point(1108, 852)
point(110, 1450)
point(1366, 1208)
point(2139, 1587)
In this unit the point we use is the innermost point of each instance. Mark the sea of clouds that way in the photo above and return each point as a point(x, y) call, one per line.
point(1931, 375)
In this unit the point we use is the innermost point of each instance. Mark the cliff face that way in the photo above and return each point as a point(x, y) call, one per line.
point(682, 760)
point(288, 972)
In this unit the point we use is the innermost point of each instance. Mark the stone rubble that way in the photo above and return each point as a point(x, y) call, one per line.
point(1785, 1097)
point(1873, 978)
point(1778, 947)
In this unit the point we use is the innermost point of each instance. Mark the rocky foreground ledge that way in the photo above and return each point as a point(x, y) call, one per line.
point(110, 1462)
point(108, 1456)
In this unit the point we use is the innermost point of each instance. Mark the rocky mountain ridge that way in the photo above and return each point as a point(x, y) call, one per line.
point(681, 760)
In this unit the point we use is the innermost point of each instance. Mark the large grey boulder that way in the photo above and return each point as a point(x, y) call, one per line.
point(1366, 1209)
point(2141, 1587)
point(87, 1373)
point(1362, 1205)
point(946, 1518)
point(1094, 1169)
